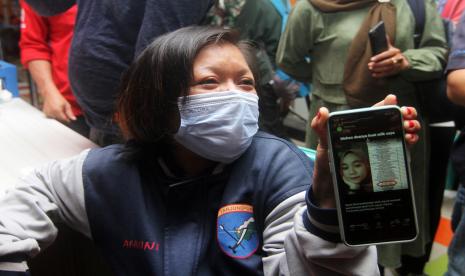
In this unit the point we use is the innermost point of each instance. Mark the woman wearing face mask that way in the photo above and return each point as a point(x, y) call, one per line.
point(355, 171)
point(196, 190)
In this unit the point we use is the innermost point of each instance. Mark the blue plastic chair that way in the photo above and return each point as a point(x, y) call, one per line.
point(309, 152)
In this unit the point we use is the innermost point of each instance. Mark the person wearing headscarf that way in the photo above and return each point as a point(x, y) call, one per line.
point(326, 43)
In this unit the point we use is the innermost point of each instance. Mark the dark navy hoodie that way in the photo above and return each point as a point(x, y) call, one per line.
point(108, 35)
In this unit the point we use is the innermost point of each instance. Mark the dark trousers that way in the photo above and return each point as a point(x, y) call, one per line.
point(80, 126)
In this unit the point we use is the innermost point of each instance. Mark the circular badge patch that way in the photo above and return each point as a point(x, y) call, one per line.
point(236, 232)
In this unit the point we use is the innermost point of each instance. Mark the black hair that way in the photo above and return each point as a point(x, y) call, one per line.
point(147, 109)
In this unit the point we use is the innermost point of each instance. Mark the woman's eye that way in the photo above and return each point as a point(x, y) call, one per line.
point(207, 81)
point(250, 82)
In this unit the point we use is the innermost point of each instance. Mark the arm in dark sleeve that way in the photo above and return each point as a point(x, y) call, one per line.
point(457, 53)
point(456, 66)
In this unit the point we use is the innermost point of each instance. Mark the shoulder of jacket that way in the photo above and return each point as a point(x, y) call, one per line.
point(270, 145)
point(100, 158)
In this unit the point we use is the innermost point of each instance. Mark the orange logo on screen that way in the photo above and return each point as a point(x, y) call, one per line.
point(387, 183)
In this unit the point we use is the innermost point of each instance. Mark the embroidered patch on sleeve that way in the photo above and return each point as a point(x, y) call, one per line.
point(236, 231)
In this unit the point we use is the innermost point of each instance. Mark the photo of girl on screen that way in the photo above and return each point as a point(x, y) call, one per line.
point(355, 170)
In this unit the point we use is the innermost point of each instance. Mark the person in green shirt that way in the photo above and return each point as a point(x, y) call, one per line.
point(259, 22)
point(326, 43)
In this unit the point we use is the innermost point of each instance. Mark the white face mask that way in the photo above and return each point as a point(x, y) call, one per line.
point(218, 126)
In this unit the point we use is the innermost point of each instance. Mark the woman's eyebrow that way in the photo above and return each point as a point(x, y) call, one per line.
point(214, 67)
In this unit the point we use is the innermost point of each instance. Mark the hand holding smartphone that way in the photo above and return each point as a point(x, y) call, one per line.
point(378, 40)
point(371, 176)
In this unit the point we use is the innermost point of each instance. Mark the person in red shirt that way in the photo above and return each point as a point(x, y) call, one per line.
point(453, 10)
point(44, 46)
